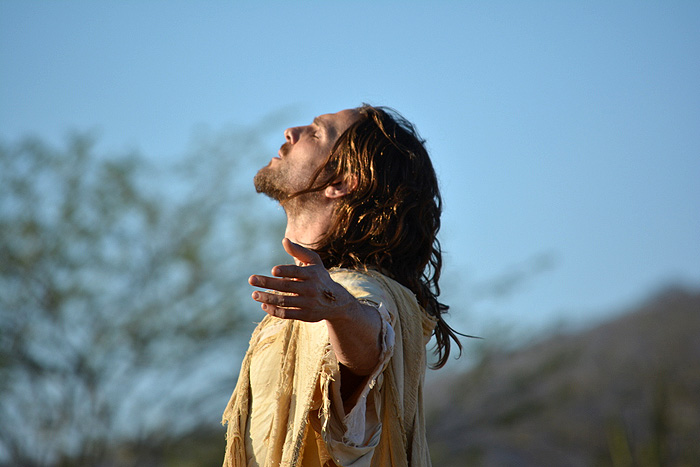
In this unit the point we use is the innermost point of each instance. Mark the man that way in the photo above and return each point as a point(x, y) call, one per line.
point(334, 373)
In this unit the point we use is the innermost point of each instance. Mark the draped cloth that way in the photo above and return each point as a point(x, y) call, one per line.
point(286, 409)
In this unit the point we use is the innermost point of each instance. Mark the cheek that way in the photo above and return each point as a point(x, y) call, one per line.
point(314, 160)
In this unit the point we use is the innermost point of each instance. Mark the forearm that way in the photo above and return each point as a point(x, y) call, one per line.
point(355, 337)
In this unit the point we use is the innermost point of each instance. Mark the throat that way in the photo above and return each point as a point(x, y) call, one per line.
point(308, 226)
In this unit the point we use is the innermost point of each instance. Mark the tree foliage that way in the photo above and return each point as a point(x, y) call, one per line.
point(122, 287)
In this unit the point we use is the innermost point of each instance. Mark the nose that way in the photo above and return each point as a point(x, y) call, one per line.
point(292, 134)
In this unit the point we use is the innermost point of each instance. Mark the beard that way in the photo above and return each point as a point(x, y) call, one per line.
point(272, 182)
point(281, 181)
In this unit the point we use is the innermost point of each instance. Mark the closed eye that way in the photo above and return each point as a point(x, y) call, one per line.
point(317, 128)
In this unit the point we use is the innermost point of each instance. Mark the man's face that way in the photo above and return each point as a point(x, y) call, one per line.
point(306, 148)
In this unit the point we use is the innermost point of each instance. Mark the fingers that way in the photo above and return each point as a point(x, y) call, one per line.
point(294, 272)
point(304, 255)
point(286, 306)
point(298, 291)
point(280, 285)
point(276, 300)
point(284, 313)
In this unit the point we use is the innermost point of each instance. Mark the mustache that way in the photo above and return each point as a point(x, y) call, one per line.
point(284, 149)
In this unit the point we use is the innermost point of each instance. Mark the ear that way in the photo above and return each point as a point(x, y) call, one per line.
point(341, 187)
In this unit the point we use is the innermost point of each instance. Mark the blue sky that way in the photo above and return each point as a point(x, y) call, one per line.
point(565, 134)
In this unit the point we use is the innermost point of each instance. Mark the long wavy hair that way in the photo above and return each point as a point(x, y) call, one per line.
point(391, 219)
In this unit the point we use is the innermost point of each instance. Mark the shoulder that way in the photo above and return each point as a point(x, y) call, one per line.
point(374, 287)
point(363, 285)
point(379, 289)
point(370, 280)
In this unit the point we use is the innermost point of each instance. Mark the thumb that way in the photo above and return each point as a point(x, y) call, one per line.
point(300, 253)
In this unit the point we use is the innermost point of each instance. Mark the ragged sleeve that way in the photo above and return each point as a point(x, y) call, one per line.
point(352, 437)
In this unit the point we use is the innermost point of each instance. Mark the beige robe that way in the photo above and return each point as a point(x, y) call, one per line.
point(286, 409)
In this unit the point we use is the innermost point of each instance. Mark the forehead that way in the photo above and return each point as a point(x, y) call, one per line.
point(339, 121)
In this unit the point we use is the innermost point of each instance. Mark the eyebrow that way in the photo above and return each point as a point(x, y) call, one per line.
point(323, 125)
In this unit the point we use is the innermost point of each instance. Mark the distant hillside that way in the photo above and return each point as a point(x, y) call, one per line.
point(624, 393)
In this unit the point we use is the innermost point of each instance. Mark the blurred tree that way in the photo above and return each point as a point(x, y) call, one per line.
point(122, 286)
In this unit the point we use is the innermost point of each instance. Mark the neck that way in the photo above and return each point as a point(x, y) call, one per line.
point(307, 224)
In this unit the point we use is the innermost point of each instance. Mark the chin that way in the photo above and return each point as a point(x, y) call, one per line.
point(266, 182)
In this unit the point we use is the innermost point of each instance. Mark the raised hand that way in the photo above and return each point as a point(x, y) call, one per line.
point(304, 291)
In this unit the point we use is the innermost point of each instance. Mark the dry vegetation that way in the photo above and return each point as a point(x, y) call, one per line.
point(624, 393)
